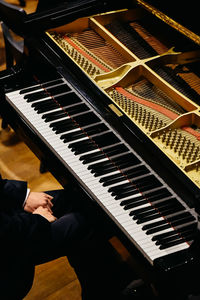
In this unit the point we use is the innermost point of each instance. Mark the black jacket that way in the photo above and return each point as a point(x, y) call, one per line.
point(20, 232)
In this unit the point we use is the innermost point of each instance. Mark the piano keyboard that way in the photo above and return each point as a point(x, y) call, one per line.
point(148, 211)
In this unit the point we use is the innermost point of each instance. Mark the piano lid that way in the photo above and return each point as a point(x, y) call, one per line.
point(22, 23)
point(182, 17)
point(184, 13)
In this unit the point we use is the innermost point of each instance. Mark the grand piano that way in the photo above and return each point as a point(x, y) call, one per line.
point(108, 97)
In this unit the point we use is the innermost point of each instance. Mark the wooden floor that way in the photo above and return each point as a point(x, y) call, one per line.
point(56, 279)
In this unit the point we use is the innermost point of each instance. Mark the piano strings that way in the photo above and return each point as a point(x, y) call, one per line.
point(144, 102)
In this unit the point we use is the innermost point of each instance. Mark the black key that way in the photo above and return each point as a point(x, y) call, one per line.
point(119, 178)
point(163, 235)
point(117, 149)
point(58, 114)
point(171, 220)
point(162, 193)
point(44, 105)
point(85, 149)
point(149, 200)
point(171, 244)
point(80, 120)
point(146, 186)
point(161, 206)
point(191, 228)
point(168, 239)
point(77, 146)
point(61, 124)
point(126, 194)
point(134, 204)
point(46, 108)
point(157, 215)
point(41, 85)
point(36, 96)
point(105, 139)
point(95, 129)
point(113, 150)
point(99, 165)
point(154, 225)
point(51, 83)
point(125, 189)
point(159, 197)
point(91, 130)
point(149, 218)
point(82, 145)
point(94, 157)
point(89, 156)
point(60, 89)
point(86, 119)
point(49, 117)
point(185, 220)
point(112, 177)
point(118, 188)
point(158, 228)
point(30, 89)
point(135, 171)
point(146, 213)
point(186, 228)
point(187, 237)
point(48, 92)
point(68, 125)
point(76, 109)
point(74, 136)
point(67, 99)
point(146, 180)
point(100, 141)
point(106, 171)
point(129, 158)
point(129, 201)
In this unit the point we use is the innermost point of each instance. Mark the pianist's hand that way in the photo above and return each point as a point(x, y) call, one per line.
point(44, 212)
point(36, 199)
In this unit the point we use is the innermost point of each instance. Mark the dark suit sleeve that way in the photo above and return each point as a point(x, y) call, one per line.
point(12, 193)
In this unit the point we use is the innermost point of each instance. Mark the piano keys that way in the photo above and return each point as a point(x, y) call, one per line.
point(153, 217)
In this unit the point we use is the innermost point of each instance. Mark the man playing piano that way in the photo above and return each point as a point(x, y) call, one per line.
point(38, 227)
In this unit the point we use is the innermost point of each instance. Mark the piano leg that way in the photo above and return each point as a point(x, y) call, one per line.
point(22, 3)
point(43, 168)
point(4, 124)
